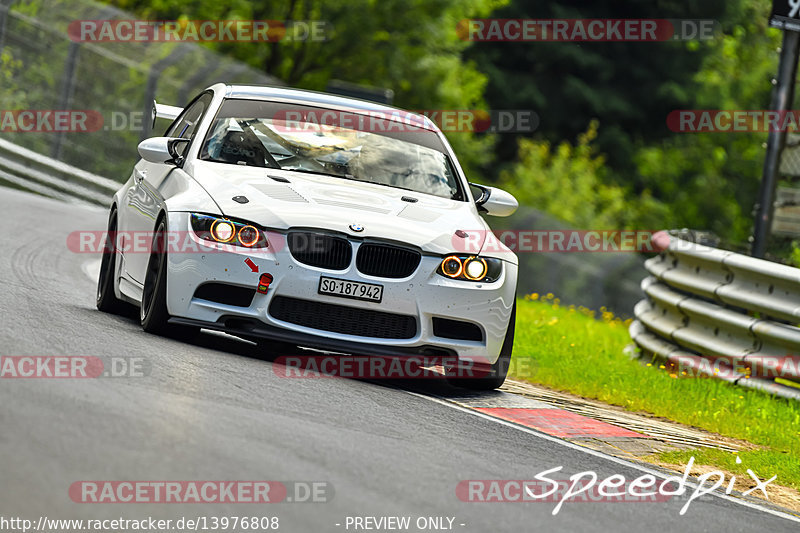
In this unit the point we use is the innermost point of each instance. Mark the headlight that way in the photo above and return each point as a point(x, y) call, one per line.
point(222, 231)
point(452, 267)
point(471, 268)
point(475, 268)
point(225, 231)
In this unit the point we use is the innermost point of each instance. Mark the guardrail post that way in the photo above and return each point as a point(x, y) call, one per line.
point(70, 81)
point(782, 98)
point(152, 84)
point(5, 7)
point(67, 91)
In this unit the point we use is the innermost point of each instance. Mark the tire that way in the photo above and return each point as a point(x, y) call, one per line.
point(153, 313)
point(491, 377)
point(106, 300)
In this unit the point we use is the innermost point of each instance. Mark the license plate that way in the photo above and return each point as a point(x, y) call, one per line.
point(351, 289)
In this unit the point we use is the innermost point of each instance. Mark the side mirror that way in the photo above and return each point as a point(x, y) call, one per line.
point(494, 201)
point(167, 150)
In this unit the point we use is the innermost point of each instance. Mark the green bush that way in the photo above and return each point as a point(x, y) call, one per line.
point(571, 182)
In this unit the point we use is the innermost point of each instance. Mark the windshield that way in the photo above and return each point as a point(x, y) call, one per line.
point(272, 135)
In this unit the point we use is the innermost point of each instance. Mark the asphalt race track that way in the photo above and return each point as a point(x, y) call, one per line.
point(214, 409)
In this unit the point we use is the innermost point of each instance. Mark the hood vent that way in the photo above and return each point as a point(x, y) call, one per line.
point(348, 205)
point(283, 193)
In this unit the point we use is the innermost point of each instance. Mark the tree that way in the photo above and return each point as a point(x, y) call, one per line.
point(411, 47)
point(629, 87)
point(570, 182)
point(711, 179)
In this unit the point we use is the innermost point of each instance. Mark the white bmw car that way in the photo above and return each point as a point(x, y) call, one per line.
point(357, 234)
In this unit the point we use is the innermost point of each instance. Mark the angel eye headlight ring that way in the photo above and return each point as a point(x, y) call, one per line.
point(471, 268)
point(249, 236)
point(475, 269)
point(226, 231)
point(452, 267)
point(223, 231)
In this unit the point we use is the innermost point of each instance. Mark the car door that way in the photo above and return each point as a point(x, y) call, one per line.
point(143, 199)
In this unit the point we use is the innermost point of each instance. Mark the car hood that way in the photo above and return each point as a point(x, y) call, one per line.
point(281, 199)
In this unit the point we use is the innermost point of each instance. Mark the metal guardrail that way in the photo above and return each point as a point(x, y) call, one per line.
point(710, 312)
point(49, 177)
point(45, 68)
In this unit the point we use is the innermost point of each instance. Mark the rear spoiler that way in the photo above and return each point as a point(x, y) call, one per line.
point(169, 112)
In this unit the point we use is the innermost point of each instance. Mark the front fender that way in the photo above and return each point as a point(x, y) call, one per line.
point(181, 192)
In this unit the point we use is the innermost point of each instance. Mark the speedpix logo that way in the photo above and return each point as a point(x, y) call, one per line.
point(589, 487)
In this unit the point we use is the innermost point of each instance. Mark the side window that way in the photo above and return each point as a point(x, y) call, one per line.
point(185, 125)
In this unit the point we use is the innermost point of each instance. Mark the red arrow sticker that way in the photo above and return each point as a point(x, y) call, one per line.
point(253, 266)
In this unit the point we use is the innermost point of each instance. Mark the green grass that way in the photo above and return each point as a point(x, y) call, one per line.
point(573, 350)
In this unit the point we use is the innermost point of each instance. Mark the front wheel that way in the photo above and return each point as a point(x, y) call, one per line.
point(106, 299)
point(488, 377)
point(153, 314)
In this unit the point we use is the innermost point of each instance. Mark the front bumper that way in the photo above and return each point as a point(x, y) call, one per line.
point(424, 295)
